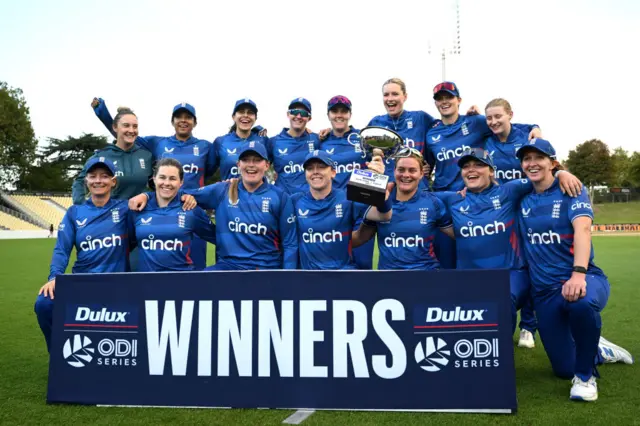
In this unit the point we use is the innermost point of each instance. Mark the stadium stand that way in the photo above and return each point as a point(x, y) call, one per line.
point(35, 209)
point(41, 209)
point(12, 223)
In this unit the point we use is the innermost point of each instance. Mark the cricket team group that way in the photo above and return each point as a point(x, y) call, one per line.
point(472, 191)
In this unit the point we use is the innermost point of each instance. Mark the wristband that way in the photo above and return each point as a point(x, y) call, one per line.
point(386, 206)
point(369, 223)
point(580, 269)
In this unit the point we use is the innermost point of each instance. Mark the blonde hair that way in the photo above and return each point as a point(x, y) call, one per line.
point(397, 81)
point(499, 102)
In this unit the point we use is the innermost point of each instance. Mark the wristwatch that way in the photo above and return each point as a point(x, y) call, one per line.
point(580, 269)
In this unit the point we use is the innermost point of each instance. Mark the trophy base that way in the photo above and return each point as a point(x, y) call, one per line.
point(367, 187)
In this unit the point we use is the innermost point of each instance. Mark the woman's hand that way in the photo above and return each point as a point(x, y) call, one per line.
point(94, 103)
point(575, 288)
point(569, 184)
point(48, 289)
point(474, 110)
point(188, 202)
point(377, 164)
point(324, 133)
point(535, 133)
point(138, 203)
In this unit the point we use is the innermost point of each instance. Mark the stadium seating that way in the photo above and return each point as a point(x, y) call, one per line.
point(43, 210)
point(12, 223)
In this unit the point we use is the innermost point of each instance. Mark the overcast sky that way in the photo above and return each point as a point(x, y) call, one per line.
point(569, 66)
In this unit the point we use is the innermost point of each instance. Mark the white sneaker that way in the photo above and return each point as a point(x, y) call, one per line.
point(584, 391)
point(613, 353)
point(526, 340)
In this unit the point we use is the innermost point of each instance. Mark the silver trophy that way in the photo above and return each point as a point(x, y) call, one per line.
point(367, 186)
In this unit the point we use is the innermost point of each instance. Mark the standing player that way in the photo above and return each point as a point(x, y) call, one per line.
point(98, 231)
point(326, 219)
point(164, 232)
point(133, 163)
point(502, 145)
point(406, 242)
point(343, 147)
point(447, 139)
point(288, 150)
point(197, 156)
point(245, 113)
point(569, 290)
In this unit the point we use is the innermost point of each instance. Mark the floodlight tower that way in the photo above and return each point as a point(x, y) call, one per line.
point(456, 46)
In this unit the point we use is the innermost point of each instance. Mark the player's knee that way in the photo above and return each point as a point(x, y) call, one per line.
point(563, 372)
point(43, 305)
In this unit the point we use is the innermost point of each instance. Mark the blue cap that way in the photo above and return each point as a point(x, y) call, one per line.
point(446, 86)
point(537, 144)
point(300, 101)
point(476, 154)
point(246, 101)
point(319, 155)
point(184, 106)
point(101, 161)
point(255, 147)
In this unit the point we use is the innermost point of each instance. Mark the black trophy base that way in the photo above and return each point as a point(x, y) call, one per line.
point(372, 193)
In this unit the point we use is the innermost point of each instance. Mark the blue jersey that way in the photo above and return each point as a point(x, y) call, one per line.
point(504, 155)
point(545, 221)
point(485, 225)
point(257, 232)
point(197, 156)
point(100, 236)
point(406, 242)
point(164, 235)
point(447, 142)
point(227, 148)
point(287, 155)
point(324, 229)
point(412, 126)
point(346, 154)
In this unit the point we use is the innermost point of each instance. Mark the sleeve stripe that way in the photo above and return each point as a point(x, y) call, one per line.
point(589, 215)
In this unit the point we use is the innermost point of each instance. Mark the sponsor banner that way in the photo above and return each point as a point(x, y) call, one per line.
point(616, 227)
point(362, 340)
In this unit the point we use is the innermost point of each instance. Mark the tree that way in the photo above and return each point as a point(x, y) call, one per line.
point(59, 163)
point(621, 164)
point(591, 162)
point(17, 138)
point(634, 169)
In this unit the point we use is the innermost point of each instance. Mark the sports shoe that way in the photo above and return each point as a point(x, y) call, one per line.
point(613, 353)
point(584, 391)
point(526, 340)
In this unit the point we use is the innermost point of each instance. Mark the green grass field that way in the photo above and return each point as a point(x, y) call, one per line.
point(543, 399)
point(617, 212)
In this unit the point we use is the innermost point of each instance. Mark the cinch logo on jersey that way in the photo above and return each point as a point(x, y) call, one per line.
point(548, 237)
point(346, 168)
point(410, 142)
point(508, 174)
point(190, 168)
point(455, 316)
point(234, 171)
point(100, 316)
point(247, 228)
point(580, 205)
point(448, 154)
point(395, 242)
point(109, 241)
point(150, 243)
point(319, 237)
point(293, 168)
point(480, 231)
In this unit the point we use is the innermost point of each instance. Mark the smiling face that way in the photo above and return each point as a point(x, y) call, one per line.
point(252, 168)
point(498, 120)
point(100, 181)
point(476, 175)
point(245, 117)
point(393, 98)
point(319, 175)
point(339, 117)
point(447, 104)
point(408, 174)
point(184, 123)
point(297, 122)
point(126, 130)
point(168, 182)
point(537, 166)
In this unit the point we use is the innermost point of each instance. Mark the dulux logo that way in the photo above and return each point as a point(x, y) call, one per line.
point(303, 213)
point(190, 168)
point(84, 313)
point(580, 205)
point(346, 168)
point(90, 244)
point(81, 223)
point(293, 168)
point(319, 237)
point(169, 150)
point(247, 228)
point(456, 315)
point(150, 243)
point(545, 238)
point(448, 154)
point(232, 151)
point(396, 242)
point(480, 231)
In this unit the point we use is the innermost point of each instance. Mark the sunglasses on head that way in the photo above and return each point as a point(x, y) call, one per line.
point(408, 152)
point(301, 112)
point(444, 86)
point(336, 100)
